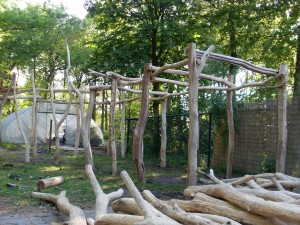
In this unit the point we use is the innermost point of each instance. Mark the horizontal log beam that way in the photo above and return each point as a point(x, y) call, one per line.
point(238, 62)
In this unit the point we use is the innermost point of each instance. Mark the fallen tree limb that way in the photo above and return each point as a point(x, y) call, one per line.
point(76, 214)
point(126, 205)
point(240, 215)
point(206, 198)
point(276, 196)
point(216, 218)
point(283, 211)
point(102, 199)
point(176, 212)
point(152, 216)
point(119, 219)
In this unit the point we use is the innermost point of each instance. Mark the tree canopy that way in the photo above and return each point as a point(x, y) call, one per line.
point(122, 36)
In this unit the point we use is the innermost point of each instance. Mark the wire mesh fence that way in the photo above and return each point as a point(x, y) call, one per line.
point(177, 138)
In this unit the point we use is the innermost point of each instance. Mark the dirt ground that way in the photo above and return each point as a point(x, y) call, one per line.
point(11, 214)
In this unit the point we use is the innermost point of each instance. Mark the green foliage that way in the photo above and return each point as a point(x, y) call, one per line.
point(34, 39)
point(9, 146)
point(268, 165)
point(131, 33)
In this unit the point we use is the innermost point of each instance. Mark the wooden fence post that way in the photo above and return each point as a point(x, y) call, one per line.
point(163, 145)
point(34, 118)
point(193, 144)
point(231, 132)
point(123, 145)
point(112, 140)
point(138, 134)
point(282, 120)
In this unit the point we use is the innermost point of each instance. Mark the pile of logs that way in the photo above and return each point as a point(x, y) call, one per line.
point(252, 199)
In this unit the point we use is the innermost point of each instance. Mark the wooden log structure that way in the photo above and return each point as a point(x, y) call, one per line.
point(212, 204)
point(244, 200)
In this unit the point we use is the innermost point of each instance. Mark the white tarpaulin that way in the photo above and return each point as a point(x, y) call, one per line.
point(10, 132)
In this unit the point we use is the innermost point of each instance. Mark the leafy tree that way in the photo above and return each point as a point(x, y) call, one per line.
point(132, 33)
point(35, 39)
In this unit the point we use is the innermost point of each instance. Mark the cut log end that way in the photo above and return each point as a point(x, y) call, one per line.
point(49, 182)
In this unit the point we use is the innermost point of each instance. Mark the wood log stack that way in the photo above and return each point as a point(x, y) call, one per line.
point(252, 199)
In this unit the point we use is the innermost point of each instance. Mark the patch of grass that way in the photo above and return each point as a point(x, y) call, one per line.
point(77, 185)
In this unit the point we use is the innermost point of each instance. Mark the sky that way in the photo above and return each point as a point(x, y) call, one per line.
point(73, 7)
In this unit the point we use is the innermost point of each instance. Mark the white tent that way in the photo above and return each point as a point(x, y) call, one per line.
point(10, 132)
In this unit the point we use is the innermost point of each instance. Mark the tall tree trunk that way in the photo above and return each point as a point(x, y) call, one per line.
point(297, 71)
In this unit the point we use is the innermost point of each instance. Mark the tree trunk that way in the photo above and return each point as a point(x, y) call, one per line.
point(297, 69)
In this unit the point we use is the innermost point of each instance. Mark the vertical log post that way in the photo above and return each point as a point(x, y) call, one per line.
point(282, 120)
point(27, 144)
point(163, 144)
point(34, 118)
point(112, 140)
point(85, 119)
point(50, 135)
point(231, 132)
point(138, 134)
point(77, 134)
point(123, 146)
point(58, 123)
point(86, 124)
point(193, 143)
